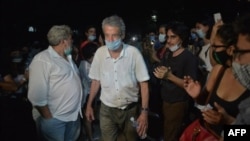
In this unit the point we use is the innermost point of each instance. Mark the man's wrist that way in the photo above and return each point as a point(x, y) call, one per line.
point(166, 75)
point(145, 110)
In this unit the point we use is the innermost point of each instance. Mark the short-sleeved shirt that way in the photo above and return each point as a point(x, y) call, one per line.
point(183, 64)
point(119, 77)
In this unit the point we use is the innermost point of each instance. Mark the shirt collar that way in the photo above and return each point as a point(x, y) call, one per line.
point(122, 54)
point(53, 52)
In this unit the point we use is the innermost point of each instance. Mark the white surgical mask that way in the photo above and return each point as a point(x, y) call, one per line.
point(200, 33)
point(113, 45)
point(174, 48)
point(162, 38)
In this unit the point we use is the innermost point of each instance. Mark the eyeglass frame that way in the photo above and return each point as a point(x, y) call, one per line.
point(238, 52)
point(217, 46)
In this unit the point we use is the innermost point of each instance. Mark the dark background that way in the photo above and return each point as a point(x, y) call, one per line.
point(18, 15)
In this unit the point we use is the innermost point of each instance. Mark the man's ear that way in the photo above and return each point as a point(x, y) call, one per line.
point(123, 36)
point(230, 50)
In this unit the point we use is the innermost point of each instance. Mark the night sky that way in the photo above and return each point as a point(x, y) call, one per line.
point(16, 15)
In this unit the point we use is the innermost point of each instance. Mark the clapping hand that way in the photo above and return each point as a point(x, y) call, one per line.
point(192, 87)
point(161, 72)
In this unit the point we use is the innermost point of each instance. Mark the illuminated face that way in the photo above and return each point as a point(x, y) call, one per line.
point(111, 33)
point(172, 39)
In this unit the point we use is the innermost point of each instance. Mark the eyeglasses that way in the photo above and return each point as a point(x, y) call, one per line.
point(217, 46)
point(237, 52)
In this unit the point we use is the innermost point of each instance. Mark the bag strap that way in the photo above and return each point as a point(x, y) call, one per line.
point(217, 82)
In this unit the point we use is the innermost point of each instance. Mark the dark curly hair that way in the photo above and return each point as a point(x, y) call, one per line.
point(89, 50)
point(227, 34)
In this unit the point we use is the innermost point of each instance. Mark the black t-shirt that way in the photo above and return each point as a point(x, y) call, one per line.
point(183, 64)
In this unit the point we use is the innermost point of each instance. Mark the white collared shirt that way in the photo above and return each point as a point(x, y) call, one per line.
point(119, 77)
point(204, 55)
point(55, 82)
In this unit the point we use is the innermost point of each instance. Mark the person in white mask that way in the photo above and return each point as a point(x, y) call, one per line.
point(203, 28)
point(162, 40)
point(121, 73)
point(177, 62)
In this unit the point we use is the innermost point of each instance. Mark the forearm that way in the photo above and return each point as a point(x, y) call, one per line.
point(44, 111)
point(8, 86)
point(176, 80)
point(144, 95)
point(95, 86)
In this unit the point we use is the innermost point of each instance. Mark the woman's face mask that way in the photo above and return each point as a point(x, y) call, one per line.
point(200, 33)
point(221, 57)
point(162, 38)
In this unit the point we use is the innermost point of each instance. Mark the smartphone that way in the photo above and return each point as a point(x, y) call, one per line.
point(217, 17)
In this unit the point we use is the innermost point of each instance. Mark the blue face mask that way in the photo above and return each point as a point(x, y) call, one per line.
point(152, 38)
point(200, 33)
point(113, 45)
point(162, 38)
point(91, 37)
point(68, 51)
point(193, 36)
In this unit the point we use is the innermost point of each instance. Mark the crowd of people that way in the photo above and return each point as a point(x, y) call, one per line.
point(59, 91)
